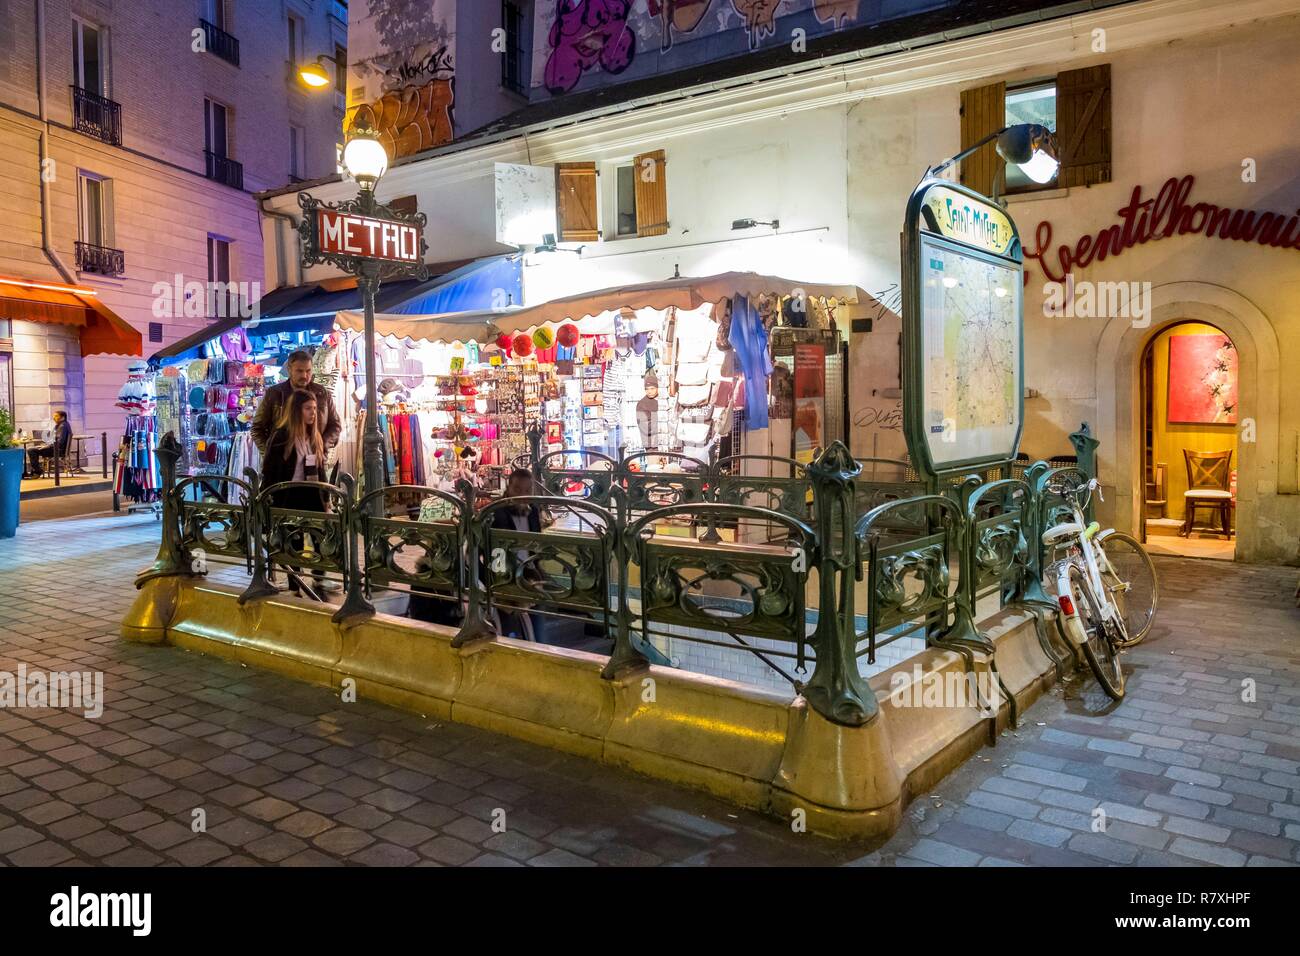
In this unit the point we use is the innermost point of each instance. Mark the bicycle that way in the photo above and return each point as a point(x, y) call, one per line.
point(1106, 587)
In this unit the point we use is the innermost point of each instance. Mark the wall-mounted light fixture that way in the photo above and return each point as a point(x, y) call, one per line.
point(751, 223)
point(548, 245)
point(314, 75)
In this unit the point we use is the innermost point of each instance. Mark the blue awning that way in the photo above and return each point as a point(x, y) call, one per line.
point(481, 284)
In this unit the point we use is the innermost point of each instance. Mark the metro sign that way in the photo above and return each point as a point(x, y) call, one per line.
point(348, 234)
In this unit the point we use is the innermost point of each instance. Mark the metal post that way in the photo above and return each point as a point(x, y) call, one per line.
point(103, 454)
point(372, 442)
point(170, 559)
point(836, 689)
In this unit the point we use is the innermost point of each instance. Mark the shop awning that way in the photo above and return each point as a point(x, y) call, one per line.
point(479, 326)
point(103, 332)
point(686, 292)
point(312, 307)
point(590, 309)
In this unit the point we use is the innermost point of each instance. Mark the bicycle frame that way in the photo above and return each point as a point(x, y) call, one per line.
point(1085, 539)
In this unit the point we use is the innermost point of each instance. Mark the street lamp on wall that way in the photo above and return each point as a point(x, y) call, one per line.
point(1030, 146)
point(314, 75)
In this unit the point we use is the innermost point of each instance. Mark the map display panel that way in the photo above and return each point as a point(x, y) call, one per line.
point(971, 361)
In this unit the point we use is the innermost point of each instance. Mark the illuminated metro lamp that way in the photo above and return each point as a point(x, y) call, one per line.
point(364, 159)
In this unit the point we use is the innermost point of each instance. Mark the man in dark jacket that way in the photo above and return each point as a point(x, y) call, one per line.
point(62, 439)
point(268, 413)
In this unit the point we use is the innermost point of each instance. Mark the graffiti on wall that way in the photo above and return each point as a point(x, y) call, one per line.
point(410, 119)
point(585, 34)
point(401, 72)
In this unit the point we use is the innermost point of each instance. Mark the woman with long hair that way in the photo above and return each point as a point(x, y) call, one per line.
point(296, 452)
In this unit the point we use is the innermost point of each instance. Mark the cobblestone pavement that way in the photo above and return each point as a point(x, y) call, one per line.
point(1186, 772)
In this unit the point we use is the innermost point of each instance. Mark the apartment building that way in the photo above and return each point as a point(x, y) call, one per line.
point(133, 137)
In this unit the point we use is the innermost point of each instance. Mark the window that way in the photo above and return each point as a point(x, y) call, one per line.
point(214, 11)
point(155, 331)
point(297, 152)
point(295, 40)
point(640, 197)
point(340, 70)
point(514, 59)
point(94, 219)
point(216, 128)
point(1029, 104)
point(1076, 105)
point(223, 300)
point(218, 259)
point(625, 201)
point(89, 70)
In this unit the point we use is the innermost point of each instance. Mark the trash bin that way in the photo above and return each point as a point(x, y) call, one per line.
point(11, 476)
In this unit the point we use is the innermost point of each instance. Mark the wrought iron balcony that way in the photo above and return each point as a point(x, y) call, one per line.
point(224, 170)
point(97, 116)
point(100, 260)
point(220, 43)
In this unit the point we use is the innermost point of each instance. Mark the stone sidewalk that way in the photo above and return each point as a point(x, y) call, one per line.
point(1184, 771)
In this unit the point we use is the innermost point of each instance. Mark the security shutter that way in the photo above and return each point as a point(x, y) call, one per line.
point(983, 111)
point(575, 191)
point(651, 194)
point(1083, 125)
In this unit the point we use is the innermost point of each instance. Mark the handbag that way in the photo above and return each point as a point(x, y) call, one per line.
point(693, 396)
point(691, 373)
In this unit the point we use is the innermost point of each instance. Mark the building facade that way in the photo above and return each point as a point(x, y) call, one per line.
point(1176, 214)
point(133, 136)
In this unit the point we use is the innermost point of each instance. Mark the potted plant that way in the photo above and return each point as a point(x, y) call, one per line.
point(11, 475)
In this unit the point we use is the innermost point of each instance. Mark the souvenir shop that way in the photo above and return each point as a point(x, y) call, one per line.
point(686, 365)
point(662, 367)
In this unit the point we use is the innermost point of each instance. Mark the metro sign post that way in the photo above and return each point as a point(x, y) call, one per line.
point(373, 243)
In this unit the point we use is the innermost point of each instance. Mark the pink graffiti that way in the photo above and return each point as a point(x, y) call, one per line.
point(584, 33)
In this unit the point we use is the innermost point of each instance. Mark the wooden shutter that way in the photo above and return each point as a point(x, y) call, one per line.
point(406, 205)
point(575, 205)
point(983, 111)
point(1083, 125)
point(651, 194)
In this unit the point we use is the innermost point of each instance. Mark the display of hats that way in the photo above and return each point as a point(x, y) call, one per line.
point(543, 337)
point(522, 345)
point(198, 397)
point(568, 335)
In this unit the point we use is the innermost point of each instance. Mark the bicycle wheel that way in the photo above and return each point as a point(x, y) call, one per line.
point(1101, 653)
point(1130, 577)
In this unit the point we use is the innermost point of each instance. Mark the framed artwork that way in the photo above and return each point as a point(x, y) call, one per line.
point(1202, 380)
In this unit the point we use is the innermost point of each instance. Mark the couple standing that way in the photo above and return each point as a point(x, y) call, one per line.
point(295, 427)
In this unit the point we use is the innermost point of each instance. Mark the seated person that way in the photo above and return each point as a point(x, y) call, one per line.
point(58, 440)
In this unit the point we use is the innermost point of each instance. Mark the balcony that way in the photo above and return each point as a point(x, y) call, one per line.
point(220, 43)
point(223, 169)
point(97, 116)
point(100, 260)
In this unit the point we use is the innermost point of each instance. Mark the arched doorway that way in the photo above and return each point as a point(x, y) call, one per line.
point(1119, 419)
point(1190, 409)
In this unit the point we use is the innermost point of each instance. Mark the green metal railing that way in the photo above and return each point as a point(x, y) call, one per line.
point(774, 565)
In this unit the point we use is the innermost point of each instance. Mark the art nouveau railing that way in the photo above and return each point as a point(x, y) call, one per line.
point(790, 568)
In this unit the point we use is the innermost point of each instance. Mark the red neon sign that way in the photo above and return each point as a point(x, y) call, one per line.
point(1168, 214)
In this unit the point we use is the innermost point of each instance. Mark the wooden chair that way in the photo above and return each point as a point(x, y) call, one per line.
point(1208, 473)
